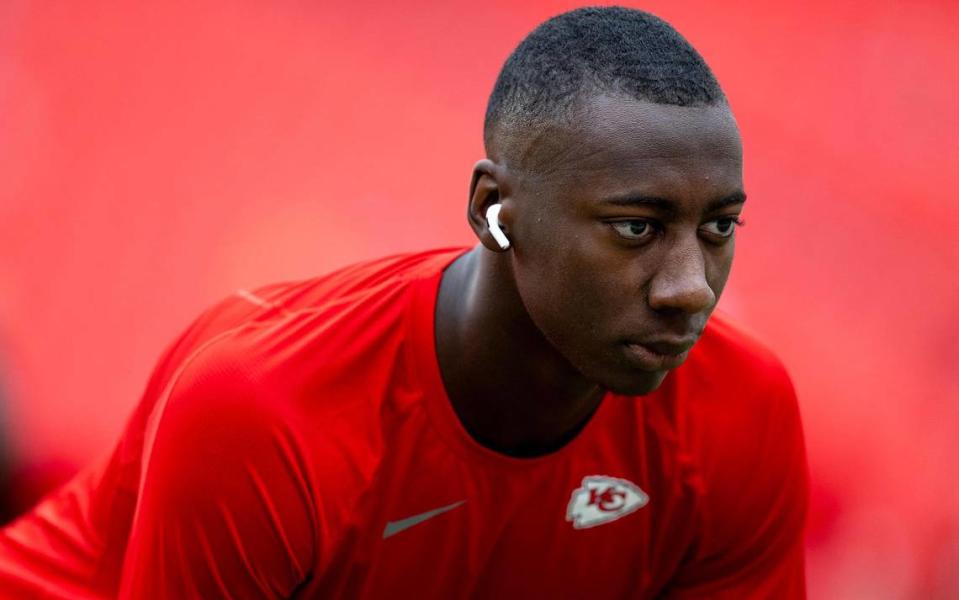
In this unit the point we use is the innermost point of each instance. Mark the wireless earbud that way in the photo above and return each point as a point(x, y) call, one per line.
point(492, 219)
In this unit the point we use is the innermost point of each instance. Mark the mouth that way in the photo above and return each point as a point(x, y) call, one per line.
point(659, 355)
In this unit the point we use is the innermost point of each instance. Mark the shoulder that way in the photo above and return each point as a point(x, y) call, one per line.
point(741, 428)
point(315, 324)
point(737, 397)
point(281, 358)
point(255, 358)
point(312, 324)
point(355, 280)
point(336, 336)
point(734, 386)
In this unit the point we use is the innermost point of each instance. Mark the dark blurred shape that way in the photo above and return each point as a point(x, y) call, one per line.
point(7, 502)
point(23, 483)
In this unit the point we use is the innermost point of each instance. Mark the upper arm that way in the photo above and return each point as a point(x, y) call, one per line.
point(226, 508)
point(754, 507)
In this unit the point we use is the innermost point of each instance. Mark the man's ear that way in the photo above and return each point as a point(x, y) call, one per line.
point(487, 187)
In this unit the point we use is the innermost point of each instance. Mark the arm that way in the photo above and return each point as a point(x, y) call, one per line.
point(225, 506)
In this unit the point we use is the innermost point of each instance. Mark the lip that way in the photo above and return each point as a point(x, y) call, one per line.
point(659, 355)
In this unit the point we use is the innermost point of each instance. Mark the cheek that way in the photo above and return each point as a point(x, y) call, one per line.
point(551, 284)
point(573, 289)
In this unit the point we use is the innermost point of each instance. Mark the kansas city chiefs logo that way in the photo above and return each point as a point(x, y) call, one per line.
point(601, 499)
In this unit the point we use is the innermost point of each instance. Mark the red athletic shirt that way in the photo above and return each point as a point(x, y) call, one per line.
point(297, 441)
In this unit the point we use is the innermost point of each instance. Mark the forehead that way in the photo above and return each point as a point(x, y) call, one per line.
point(622, 145)
point(643, 130)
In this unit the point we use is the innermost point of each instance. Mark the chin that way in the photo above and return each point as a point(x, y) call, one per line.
point(636, 383)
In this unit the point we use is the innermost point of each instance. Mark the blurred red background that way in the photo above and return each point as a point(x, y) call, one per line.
point(156, 156)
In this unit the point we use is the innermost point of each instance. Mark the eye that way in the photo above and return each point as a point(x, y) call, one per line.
point(634, 229)
point(723, 227)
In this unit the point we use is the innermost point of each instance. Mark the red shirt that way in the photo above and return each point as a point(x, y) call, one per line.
point(298, 441)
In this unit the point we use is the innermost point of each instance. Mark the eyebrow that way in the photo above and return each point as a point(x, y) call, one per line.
point(669, 206)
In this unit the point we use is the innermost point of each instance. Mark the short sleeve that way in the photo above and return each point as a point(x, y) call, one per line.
point(753, 507)
point(225, 507)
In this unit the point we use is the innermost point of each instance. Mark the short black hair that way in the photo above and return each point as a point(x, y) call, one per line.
point(595, 50)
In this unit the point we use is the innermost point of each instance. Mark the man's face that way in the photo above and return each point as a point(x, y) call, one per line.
point(623, 238)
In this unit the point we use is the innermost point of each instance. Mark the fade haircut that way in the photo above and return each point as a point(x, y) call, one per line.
point(613, 50)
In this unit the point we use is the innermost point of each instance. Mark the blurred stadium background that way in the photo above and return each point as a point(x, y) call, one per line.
point(156, 156)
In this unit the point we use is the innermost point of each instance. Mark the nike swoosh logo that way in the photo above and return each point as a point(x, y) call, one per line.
point(394, 527)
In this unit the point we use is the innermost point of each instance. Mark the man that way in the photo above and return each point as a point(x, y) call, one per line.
point(528, 418)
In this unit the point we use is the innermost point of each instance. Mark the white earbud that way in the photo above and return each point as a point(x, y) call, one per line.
point(492, 219)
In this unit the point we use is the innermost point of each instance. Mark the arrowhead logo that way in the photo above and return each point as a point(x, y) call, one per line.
point(601, 499)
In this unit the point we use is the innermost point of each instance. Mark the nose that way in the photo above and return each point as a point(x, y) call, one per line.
point(680, 283)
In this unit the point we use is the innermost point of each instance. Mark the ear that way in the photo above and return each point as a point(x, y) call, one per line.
point(487, 187)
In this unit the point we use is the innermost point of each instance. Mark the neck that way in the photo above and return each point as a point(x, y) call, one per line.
point(513, 392)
